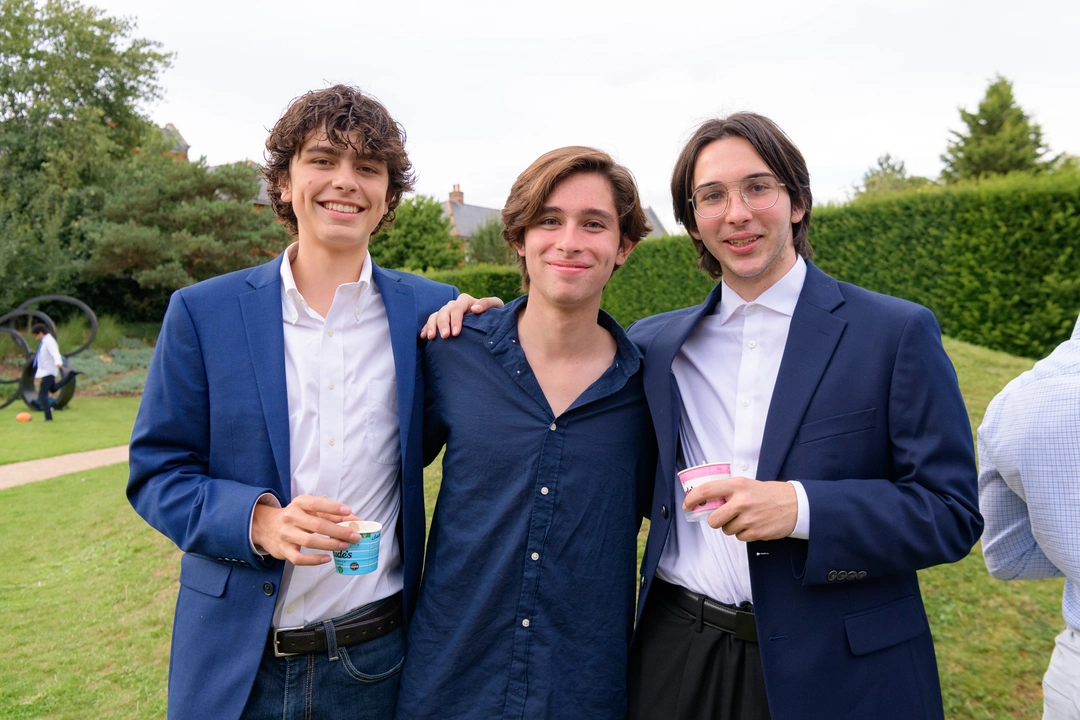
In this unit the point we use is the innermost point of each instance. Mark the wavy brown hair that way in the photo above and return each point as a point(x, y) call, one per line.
point(534, 186)
point(775, 148)
point(349, 119)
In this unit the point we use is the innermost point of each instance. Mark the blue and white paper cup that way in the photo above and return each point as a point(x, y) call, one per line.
point(361, 557)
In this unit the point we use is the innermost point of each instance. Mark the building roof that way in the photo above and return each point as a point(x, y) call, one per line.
point(465, 219)
point(657, 228)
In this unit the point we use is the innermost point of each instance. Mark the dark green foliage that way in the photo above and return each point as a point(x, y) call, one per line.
point(660, 275)
point(71, 82)
point(168, 223)
point(998, 261)
point(482, 280)
point(419, 239)
point(1000, 138)
point(888, 176)
point(488, 246)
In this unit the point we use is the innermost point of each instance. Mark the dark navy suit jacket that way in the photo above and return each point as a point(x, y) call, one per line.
point(212, 435)
point(867, 414)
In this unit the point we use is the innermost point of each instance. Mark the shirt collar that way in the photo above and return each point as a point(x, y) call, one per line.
point(501, 325)
point(781, 297)
point(292, 302)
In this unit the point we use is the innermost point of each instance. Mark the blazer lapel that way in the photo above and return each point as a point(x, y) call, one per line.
point(400, 302)
point(261, 310)
point(812, 338)
point(661, 389)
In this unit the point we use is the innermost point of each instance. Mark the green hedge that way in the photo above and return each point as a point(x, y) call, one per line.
point(661, 274)
point(997, 261)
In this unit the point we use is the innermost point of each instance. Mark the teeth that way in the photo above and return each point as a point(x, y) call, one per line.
point(338, 207)
point(741, 243)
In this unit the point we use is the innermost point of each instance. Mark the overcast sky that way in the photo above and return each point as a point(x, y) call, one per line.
point(483, 88)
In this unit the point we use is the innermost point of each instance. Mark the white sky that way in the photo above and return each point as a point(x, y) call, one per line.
point(483, 88)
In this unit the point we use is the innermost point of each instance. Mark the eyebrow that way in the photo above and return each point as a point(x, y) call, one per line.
point(587, 212)
point(751, 176)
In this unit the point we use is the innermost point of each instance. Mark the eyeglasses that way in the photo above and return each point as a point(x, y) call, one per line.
point(759, 193)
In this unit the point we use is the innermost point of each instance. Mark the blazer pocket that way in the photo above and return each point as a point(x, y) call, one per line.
point(836, 425)
point(885, 626)
point(202, 575)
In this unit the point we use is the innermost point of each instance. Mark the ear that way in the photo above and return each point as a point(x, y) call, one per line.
point(286, 191)
point(626, 246)
point(520, 247)
point(797, 214)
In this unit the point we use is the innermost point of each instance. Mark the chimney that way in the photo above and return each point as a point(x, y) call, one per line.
point(456, 196)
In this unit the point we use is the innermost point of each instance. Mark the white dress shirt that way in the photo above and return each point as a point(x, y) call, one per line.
point(726, 371)
point(344, 442)
point(48, 358)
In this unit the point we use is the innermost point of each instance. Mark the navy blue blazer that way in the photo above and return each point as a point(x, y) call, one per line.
point(867, 414)
point(212, 435)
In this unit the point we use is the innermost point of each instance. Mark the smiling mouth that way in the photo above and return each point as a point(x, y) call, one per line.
point(338, 207)
point(742, 242)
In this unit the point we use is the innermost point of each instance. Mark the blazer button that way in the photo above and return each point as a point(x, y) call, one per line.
point(861, 574)
point(268, 588)
point(663, 511)
point(832, 575)
point(842, 575)
point(643, 581)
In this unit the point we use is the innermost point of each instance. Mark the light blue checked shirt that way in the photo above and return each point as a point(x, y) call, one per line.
point(1029, 475)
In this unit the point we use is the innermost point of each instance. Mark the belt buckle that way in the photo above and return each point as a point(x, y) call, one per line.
point(277, 653)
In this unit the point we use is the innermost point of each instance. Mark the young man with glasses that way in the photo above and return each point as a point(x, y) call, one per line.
point(851, 459)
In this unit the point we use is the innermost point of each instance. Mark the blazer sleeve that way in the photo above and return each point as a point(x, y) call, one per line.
point(171, 483)
point(927, 512)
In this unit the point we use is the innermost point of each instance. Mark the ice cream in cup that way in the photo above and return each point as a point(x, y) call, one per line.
point(362, 557)
point(699, 475)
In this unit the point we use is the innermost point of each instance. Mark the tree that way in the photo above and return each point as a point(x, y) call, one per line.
point(888, 176)
point(1000, 138)
point(71, 84)
point(419, 239)
point(486, 245)
point(168, 223)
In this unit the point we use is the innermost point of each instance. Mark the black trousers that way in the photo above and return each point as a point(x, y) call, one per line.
point(44, 389)
point(678, 672)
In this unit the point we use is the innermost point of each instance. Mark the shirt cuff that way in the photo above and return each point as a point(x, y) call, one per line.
point(802, 522)
point(264, 499)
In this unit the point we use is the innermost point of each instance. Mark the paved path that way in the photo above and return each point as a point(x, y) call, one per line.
point(30, 471)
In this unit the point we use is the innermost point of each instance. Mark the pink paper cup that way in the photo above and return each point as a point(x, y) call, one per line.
point(699, 475)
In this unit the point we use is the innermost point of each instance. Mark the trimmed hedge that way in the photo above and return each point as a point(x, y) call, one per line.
point(998, 261)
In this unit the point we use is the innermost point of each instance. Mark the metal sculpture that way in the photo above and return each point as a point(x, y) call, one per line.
point(25, 382)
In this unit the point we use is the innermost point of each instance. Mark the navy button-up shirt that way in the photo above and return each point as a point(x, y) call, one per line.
point(526, 606)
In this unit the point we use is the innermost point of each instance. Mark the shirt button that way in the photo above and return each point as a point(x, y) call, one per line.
point(536, 556)
point(331, 441)
point(552, 426)
point(743, 466)
point(525, 622)
point(330, 333)
point(751, 308)
point(543, 491)
point(291, 609)
point(752, 344)
point(330, 385)
point(744, 402)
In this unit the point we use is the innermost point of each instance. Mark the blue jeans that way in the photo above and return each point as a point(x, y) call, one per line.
point(359, 682)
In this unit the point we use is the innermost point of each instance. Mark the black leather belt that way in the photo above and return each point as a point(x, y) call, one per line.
point(737, 621)
point(369, 625)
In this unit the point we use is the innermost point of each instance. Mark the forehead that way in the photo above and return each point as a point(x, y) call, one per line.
point(731, 158)
point(583, 188)
point(353, 140)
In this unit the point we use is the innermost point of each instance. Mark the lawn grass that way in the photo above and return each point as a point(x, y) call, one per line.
point(86, 608)
point(87, 423)
point(92, 639)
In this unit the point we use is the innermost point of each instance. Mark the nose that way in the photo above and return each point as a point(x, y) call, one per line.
point(569, 239)
point(738, 211)
point(345, 177)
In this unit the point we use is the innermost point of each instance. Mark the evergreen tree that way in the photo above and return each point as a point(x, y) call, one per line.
point(1000, 138)
point(487, 245)
point(888, 176)
point(419, 239)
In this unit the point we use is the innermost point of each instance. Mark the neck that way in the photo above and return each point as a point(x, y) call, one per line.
point(557, 331)
point(319, 271)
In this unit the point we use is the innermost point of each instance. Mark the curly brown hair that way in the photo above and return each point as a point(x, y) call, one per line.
point(349, 119)
point(534, 186)
point(775, 149)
